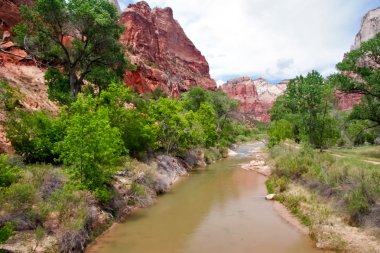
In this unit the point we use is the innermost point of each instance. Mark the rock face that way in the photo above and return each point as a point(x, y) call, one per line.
point(346, 101)
point(164, 55)
point(369, 28)
point(256, 96)
point(9, 13)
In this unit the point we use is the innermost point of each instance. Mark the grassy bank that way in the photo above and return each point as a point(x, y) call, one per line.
point(338, 197)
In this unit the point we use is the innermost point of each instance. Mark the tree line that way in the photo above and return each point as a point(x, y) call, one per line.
point(307, 111)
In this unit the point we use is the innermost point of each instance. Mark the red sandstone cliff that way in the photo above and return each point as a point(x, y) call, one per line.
point(164, 55)
point(9, 13)
point(256, 96)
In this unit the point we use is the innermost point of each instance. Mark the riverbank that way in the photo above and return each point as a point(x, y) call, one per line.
point(264, 166)
point(219, 209)
point(71, 219)
point(322, 191)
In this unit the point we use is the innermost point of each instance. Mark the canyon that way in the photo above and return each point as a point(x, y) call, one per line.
point(256, 96)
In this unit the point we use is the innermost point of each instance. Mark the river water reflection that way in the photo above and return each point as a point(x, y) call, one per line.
point(219, 210)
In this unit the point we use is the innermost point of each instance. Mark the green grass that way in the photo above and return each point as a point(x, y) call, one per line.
point(371, 153)
point(350, 181)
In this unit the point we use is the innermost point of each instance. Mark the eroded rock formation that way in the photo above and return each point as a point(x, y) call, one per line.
point(256, 96)
point(370, 26)
point(164, 55)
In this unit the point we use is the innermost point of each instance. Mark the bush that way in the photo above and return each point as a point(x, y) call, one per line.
point(91, 147)
point(6, 231)
point(278, 131)
point(19, 196)
point(8, 174)
point(357, 204)
point(34, 134)
point(8, 97)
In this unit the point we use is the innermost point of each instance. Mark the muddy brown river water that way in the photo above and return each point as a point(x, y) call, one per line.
point(221, 209)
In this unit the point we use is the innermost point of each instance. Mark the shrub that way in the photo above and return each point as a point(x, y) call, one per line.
point(8, 174)
point(278, 131)
point(34, 134)
point(91, 147)
point(357, 204)
point(6, 231)
point(19, 196)
point(8, 97)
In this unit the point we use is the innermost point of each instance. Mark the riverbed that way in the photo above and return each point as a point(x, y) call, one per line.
point(218, 209)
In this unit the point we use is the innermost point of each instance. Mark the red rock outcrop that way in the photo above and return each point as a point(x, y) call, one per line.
point(256, 96)
point(346, 101)
point(9, 13)
point(164, 55)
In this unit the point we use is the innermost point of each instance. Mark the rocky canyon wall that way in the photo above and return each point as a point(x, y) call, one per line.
point(256, 96)
point(165, 57)
point(370, 26)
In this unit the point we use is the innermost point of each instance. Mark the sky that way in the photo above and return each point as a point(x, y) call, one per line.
point(272, 39)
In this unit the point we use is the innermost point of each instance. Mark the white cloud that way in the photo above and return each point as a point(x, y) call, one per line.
point(275, 39)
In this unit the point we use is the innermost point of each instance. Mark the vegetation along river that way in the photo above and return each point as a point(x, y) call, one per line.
point(220, 209)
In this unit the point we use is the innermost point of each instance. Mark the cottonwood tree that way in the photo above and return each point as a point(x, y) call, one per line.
point(306, 105)
point(91, 147)
point(83, 36)
point(360, 73)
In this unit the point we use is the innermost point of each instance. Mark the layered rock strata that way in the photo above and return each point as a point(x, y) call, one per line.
point(165, 57)
point(256, 96)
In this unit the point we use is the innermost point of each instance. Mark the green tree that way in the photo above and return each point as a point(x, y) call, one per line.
point(81, 35)
point(306, 103)
point(360, 74)
point(205, 115)
point(91, 146)
point(129, 114)
point(172, 124)
point(58, 86)
point(224, 107)
point(194, 98)
point(278, 131)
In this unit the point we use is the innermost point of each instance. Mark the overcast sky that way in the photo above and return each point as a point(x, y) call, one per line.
point(273, 39)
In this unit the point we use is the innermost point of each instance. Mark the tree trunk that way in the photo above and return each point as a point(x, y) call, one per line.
point(73, 83)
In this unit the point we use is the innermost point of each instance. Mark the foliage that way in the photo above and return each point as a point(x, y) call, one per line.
point(91, 147)
point(8, 97)
point(6, 231)
point(194, 98)
point(81, 35)
point(360, 131)
point(306, 103)
point(128, 113)
point(59, 86)
point(18, 196)
point(349, 179)
point(172, 124)
point(363, 78)
point(8, 173)
point(278, 131)
point(34, 134)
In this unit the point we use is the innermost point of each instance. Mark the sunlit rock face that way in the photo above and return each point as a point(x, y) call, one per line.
point(370, 26)
point(165, 57)
point(256, 96)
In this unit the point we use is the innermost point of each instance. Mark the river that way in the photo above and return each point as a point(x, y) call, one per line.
point(220, 209)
